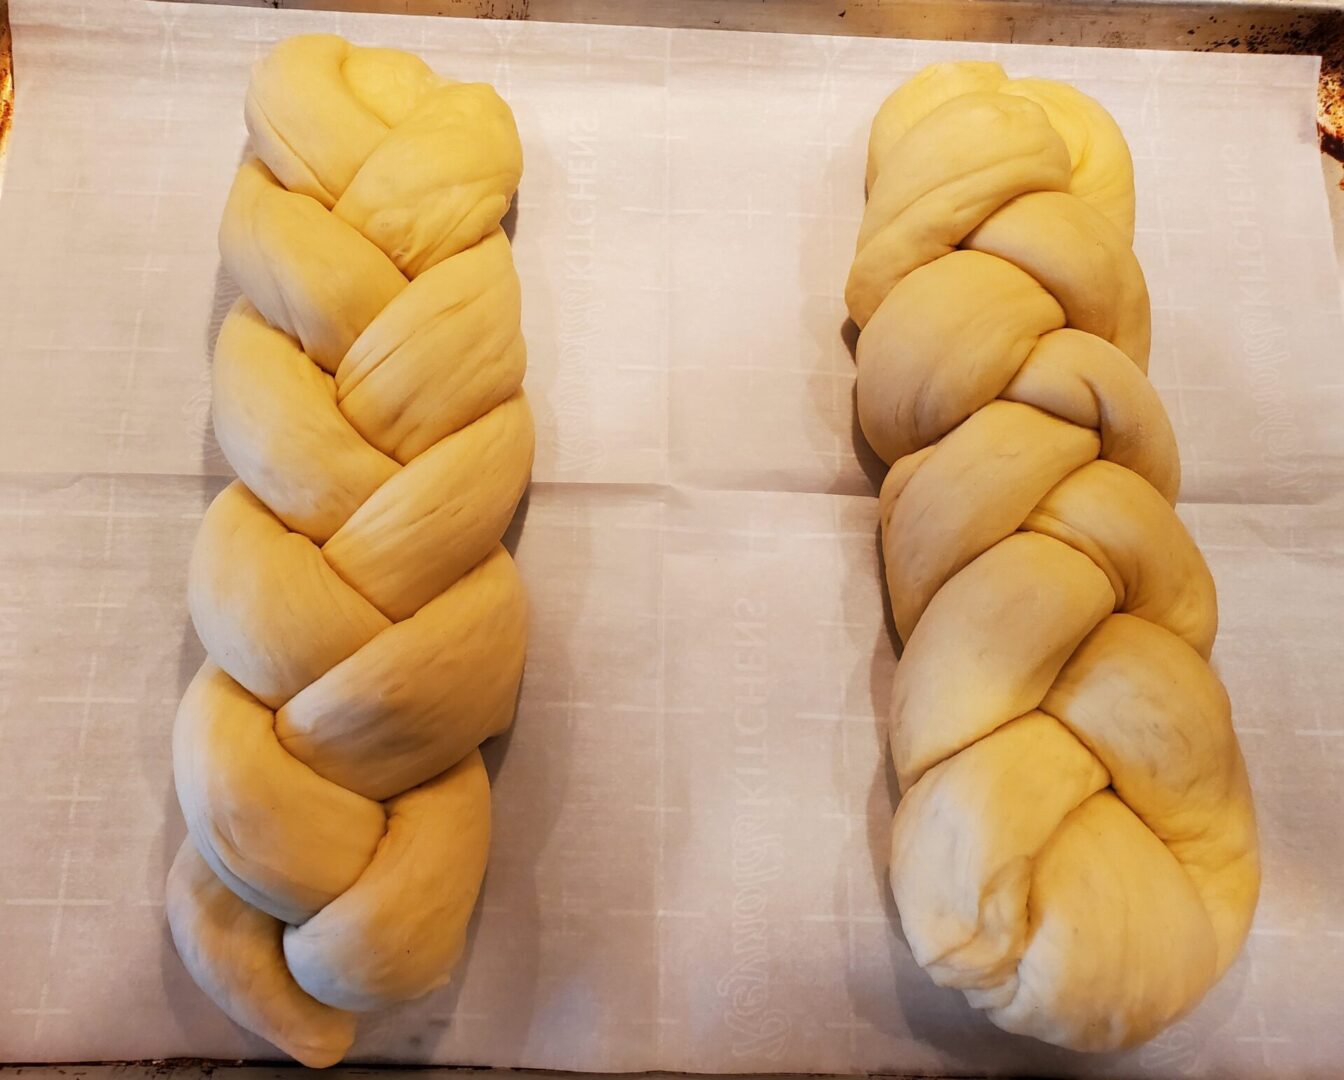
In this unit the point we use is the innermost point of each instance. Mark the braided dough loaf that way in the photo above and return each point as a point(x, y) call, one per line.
point(364, 625)
point(1075, 846)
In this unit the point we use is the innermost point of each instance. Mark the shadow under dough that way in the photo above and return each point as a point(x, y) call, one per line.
point(187, 1002)
point(523, 763)
point(912, 1007)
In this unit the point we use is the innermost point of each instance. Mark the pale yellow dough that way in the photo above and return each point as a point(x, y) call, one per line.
point(365, 628)
point(1075, 845)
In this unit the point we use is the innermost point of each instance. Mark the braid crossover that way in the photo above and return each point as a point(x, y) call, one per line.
point(1075, 846)
point(365, 628)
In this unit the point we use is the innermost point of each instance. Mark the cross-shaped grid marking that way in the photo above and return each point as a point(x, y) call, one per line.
point(660, 700)
point(59, 347)
point(664, 285)
point(1192, 515)
point(832, 216)
point(659, 807)
point(571, 905)
point(1278, 549)
point(772, 369)
point(258, 38)
point(87, 701)
point(893, 67)
point(851, 1028)
point(751, 534)
point(506, 34)
point(74, 796)
point(867, 719)
point(1164, 232)
point(1172, 309)
point(459, 1015)
point(851, 921)
point(123, 428)
point(98, 607)
point(1296, 658)
point(660, 917)
point(745, 363)
point(749, 212)
point(1179, 388)
point(656, 710)
point(22, 512)
point(41, 1011)
point(836, 534)
point(90, 701)
point(110, 515)
point(669, 211)
point(1170, 302)
point(1263, 1038)
point(1329, 738)
point(145, 268)
point(148, 268)
point(838, 368)
point(845, 624)
point(846, 722)
point(666, 281)
point(567, 705)
point(62, 901)
point(667, 138)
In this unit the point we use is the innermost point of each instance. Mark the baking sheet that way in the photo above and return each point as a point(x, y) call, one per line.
point(692, 809)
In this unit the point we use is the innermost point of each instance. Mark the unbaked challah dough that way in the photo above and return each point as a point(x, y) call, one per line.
point(1075, 845)
point(364, 625)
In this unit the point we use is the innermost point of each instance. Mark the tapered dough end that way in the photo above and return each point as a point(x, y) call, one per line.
point(399, 931)
point(1121, 945)
point(234, 953)
point(919, 95)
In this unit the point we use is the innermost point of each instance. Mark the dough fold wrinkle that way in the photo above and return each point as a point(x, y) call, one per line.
point(365, 628)
point(1075, 846)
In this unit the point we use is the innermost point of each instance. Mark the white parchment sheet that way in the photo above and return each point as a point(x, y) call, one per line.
point(692, 810)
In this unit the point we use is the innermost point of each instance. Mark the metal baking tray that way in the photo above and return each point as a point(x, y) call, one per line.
point(1314, 27)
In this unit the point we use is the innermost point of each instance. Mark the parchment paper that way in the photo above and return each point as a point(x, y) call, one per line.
point(692, 810)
